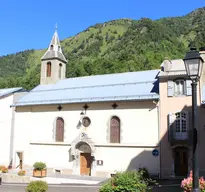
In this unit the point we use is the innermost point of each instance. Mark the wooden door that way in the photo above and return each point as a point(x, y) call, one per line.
point(85, 163)
point(181, 161)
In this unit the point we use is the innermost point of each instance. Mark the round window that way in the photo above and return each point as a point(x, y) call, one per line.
point(86, 121)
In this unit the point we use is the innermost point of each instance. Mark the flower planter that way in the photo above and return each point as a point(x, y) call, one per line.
point(39, 173)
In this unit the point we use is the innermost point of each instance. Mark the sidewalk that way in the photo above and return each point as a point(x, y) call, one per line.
point(52, 178)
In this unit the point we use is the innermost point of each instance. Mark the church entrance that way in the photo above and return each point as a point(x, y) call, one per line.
point(85, 164)
point(85, 158)
point(181, 161)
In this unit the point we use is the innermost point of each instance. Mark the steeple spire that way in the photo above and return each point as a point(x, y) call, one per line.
point(53, 62)
point(54, 49)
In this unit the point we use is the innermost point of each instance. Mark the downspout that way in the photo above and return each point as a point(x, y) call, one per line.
point(12, 136)
point(159, 141)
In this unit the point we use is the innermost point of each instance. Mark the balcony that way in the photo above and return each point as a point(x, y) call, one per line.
point(179, 138)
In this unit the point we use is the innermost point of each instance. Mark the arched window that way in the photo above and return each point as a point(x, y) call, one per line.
point(115, 130)
point(59, 132)
point(181, 130)
point(48, 70)
point(60, 70)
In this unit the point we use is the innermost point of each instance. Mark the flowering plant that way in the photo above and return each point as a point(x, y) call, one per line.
point(21, 172)
point(4, 170)
point(2, 167)
point(186, 184)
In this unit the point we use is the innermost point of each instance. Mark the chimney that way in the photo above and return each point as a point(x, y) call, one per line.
point(167, 64)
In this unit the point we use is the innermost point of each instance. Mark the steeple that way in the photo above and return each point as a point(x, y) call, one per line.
point(54, 49)
point(53, 62)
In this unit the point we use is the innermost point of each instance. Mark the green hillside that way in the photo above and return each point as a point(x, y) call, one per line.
point(115, 46)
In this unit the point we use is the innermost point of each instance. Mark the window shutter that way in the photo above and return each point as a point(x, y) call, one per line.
point(115, 130)
point(170, 88)
point(59, 130)
point(188, 87)
point(170, 125)
point(171, 122)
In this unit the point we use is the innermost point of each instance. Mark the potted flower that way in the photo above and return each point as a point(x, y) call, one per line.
point(39, 169)
point(2, 167)
point(4, 170)
point(21, 172)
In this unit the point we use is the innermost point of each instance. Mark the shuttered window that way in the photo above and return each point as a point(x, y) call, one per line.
point(115, 130)
point(59, 134)
point(48, 70)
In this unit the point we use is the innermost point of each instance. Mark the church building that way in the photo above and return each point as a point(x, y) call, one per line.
point(93, 125)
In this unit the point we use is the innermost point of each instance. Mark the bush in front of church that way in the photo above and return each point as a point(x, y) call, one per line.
point(128, 181)
point(37, 186)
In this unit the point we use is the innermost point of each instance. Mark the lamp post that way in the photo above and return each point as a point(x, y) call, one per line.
point(193, 64)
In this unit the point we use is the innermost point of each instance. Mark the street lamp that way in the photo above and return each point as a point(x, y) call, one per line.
point(193, 64)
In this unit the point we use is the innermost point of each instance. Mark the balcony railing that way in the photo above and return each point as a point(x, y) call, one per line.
point(179, 137)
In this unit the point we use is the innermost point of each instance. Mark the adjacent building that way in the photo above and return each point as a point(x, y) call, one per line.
point(7, 121)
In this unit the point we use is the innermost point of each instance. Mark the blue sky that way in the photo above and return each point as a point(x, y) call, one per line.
point(30, 24)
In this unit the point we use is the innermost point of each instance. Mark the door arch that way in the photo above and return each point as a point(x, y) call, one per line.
point(85, 158)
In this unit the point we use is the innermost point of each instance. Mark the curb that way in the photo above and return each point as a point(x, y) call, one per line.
point(171, 185)
point(53, 185)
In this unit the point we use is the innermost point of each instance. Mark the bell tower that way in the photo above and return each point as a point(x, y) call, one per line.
point(53, 62)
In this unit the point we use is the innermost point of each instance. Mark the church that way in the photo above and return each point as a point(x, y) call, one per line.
point(93, 125)
point(97, 125)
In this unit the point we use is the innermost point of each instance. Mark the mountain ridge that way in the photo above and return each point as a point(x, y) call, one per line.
point(119, 45)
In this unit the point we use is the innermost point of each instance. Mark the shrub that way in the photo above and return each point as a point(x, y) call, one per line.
point(4, 170)
point(37, 186)
point(146, 176)
point(128, 181)
point(186, 184)
point(21, 172)
point(2, 167)
point(39, 166)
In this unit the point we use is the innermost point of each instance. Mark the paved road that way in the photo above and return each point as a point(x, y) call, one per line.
point(6, 188)
point(75, 188)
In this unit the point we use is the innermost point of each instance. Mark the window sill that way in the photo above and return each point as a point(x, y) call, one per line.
point(181, 95)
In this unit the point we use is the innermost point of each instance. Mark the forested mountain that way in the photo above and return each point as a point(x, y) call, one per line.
point(115, 46)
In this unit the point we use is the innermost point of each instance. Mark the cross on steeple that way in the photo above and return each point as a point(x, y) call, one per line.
point(56, 27)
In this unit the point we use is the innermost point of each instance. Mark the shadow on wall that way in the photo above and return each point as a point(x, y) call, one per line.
point(145, 160)
point(175, 147)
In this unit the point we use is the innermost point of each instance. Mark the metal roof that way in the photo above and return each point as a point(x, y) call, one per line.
point(7, 91)
point(142, 85)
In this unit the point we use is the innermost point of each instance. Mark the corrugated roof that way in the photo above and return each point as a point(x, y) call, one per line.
point(141, 85)
point(7, 91)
